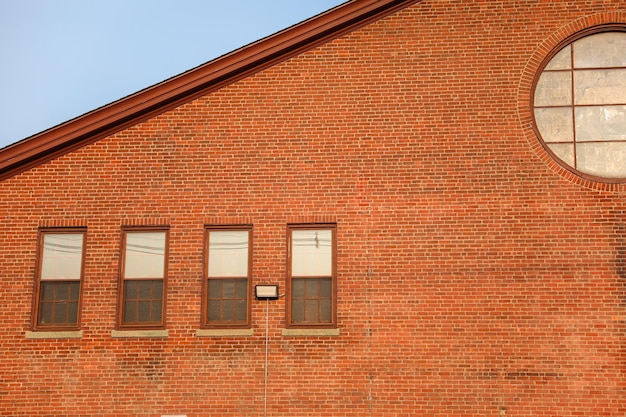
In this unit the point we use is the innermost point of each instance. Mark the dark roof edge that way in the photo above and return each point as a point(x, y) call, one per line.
point(192, 84)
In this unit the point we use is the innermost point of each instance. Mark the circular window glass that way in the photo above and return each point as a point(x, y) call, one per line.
point(580, 105)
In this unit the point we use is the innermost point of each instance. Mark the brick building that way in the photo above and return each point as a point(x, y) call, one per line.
point(436, 187)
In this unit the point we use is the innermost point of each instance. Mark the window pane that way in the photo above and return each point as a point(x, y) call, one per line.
point(562, 60)
point(228, 253)
point(311, 288)
point(554, 89)
point(600, 86)
point(157, 289)
point(601, 50)
point(157, 311)
point(555, 124)
point(215, 288)
point(62, 256)
point(145, 255)
point(74, 290)
point(228, 310)
point(326, 311)
point(130, 312)
point(228, 300)
point(565, 152)
point(45, 313)
point(58, 303)
point(241, 310)
point(47, 291)
point(312, 300)
point(72, 313)
point(59, 314)
point(297, 288)
point(326, 288)
point(311, 313)
point(214, 311)
point(143, 301)
point(62, 293)
point(145, 290)
point(130, 289)
point(311, 252)
point(143, 308)
point(242, 289)
point(228, 289)
point(602, 159)
point(601, 123)
point(297, 311)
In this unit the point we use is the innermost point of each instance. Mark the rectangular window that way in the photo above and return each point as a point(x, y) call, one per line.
point(312, 275)
point(227, 277)
point(59, 277)
point(143, 278)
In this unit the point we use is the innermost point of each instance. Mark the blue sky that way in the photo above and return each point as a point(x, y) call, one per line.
point(63, 58)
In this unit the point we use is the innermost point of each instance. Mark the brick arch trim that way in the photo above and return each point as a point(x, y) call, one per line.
point(531, 70)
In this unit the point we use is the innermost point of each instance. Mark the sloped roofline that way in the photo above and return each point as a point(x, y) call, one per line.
point(178, 90)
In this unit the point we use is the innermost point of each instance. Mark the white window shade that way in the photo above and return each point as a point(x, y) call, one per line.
point(145, 255)
point(228, 253)
point(312, 253)
point(62, 256)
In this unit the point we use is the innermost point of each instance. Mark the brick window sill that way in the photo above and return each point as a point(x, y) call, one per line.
point(139, 333)
point(224, 332)
point(74, 334)
point(311, 332)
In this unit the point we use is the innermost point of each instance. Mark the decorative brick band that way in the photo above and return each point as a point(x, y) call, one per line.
point(320, 218)
point(147, 221)
point(67, 223)
point(227, 220)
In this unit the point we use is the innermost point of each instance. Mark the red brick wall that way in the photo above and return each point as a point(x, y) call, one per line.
point(475, 277)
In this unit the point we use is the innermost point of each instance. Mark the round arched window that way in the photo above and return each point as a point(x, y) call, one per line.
point(580, 105)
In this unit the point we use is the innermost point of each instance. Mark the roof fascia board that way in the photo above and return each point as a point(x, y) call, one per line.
point(192, 84)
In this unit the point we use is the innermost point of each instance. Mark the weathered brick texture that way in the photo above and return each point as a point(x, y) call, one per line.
point(475, 276)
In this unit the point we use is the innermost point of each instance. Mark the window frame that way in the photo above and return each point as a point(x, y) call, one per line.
point(204, 321)
point(120, 324)
point(567, 42)
point(36, 305)
point(288, 305)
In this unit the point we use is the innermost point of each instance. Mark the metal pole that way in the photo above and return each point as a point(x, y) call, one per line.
point(267, 326)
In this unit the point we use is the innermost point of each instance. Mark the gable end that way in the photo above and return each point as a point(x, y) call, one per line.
point(202, 80)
